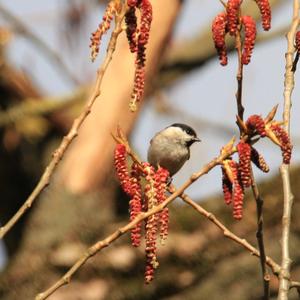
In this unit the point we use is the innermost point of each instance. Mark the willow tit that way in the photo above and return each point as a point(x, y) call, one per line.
point(170, 147)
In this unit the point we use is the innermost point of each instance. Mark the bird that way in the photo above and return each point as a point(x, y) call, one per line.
point(170, 147)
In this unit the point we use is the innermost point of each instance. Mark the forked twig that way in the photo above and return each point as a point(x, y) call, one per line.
point(229, 234)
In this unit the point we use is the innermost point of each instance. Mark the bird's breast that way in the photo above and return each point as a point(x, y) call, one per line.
point(169, 157)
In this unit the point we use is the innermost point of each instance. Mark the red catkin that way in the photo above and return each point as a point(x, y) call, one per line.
point(284, 139)
point(121, 168)
point(131, 29)
point(151, 257)
point(256, 124)
point(232, 10)
point(259, 161)
point(227, 187)
point(146, 19)
point(161, 178)
point(244, 151)
point(135, 205)
point(218, 34)
point(149, 273)
point(250, 35)
point(151, 224)
point(238, 191)
point(142, 40)
point(238, 199)
point(132, 3)
point(102, 29)
point(265, 10)
point(138, 89)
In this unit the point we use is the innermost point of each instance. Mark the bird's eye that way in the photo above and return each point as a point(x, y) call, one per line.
point(189, 132)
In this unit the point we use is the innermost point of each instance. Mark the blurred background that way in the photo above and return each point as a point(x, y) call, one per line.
point(45, 79)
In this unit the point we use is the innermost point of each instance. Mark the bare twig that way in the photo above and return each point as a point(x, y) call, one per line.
point(284, 282)
point(239, 77)
point(21, 28)
point(259, 201)
point(67, 140)
point(296, 285)
point(260, 238)
point(227, 233)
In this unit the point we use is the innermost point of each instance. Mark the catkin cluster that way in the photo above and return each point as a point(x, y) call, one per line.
point(237, 176)
point(138, 37)
point(112, 9)
point(137, 32)
point(143, 198)
point(232, 22)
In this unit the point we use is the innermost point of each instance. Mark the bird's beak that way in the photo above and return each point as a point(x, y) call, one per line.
point(192, 141)
point(196, 140)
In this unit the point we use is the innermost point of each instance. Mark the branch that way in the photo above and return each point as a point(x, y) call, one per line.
point(284, 282)
point(227, 233)
point(67, 140)
point(239, 78)
point(260, 238)
point(21, 28)
point(296, 285)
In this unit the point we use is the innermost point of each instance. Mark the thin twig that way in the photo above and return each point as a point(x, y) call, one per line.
point(296, 285)
point(239, 77)
point(260, 238)
point(229, 234)
point(21, 28)
point(259, 201)
point(67, 140)
point(284, 282)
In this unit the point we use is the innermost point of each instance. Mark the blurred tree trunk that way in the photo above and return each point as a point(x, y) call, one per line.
point(89, 160)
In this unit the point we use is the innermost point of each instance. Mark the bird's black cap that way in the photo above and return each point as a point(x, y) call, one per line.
point(189, 130)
